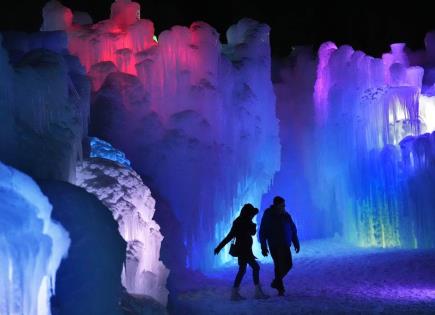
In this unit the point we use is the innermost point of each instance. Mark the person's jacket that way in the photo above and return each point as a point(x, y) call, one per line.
point(242, 229)
point(277, 229)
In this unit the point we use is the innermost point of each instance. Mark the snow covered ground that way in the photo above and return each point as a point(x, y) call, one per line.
point(328, 277)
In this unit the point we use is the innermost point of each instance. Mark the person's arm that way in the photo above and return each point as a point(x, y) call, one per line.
point(263, 233)
point(226, 240)
point(252, 228)
point(295, 239)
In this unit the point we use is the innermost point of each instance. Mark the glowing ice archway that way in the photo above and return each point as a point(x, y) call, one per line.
point(107, 174)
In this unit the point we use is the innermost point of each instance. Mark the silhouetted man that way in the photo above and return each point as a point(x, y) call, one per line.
point(278, 230)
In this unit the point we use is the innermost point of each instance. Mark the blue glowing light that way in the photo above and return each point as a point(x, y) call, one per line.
point(104, 150)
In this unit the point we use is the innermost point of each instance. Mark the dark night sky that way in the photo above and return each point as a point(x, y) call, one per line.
point(361, 24)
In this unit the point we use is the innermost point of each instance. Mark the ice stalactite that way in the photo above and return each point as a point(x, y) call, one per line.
point(323, 83)
point(107, 175)
point(31, 246)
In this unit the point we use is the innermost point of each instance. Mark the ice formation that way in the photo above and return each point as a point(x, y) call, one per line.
point(44, 104)
point(370, 114)
point(56, 17)
point(31, 246)
point(121, 40)
point(122, 191)
point(195, 117)
point(357, 137)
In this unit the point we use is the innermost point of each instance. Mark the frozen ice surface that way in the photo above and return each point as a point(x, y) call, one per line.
point(328, 277)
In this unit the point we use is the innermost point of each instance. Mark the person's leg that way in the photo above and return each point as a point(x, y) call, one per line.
point(276, 266)
point(275, 253)
point(240, 273)
point(255, 270)
point(287, 261)
point(235, 295)
point(277, 256)
point(259, 294)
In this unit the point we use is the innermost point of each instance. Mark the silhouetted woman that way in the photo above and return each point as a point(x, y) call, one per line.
point(242, 230)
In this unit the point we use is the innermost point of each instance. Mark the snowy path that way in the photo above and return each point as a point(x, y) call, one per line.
point(327, 277)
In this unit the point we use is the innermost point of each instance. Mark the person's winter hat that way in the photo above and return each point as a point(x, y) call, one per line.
point(248, 209)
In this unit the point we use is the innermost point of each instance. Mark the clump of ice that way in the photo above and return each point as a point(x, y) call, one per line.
point(104, 150)
point(31, 246)
point(56, 17)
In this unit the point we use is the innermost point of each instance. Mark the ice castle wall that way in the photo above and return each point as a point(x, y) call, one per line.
point(196, 117)
point(44, 105)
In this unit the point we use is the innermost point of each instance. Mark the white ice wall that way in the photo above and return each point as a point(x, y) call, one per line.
point(31, 246)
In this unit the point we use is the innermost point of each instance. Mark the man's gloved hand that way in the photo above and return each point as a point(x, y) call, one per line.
point(297, 249)
point(216, 251)
point(264, 251)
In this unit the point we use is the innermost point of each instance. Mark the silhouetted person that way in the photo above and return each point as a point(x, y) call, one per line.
point(242, 230)
point(278, 230)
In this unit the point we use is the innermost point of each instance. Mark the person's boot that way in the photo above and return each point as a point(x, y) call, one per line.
point(235, 295)
point(259, 294)
point(278, 285)
point(281, 289)
point(273, 285)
